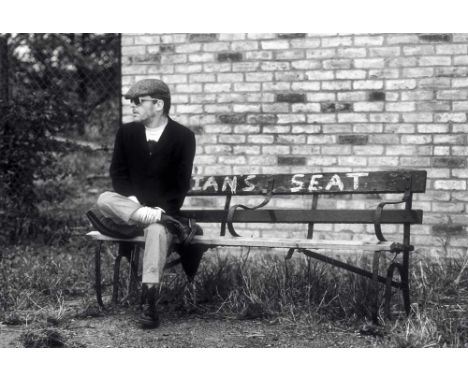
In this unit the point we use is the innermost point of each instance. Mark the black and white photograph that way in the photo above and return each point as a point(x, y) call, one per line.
point(234, 190)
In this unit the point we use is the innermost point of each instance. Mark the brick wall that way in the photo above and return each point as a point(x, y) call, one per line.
point(274, 103)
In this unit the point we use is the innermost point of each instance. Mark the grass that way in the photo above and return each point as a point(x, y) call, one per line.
point(36, 280)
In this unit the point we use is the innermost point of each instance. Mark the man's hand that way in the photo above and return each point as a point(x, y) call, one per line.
point(133, 198)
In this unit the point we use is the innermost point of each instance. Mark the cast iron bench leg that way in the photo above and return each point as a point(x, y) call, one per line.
point(375, 282)
point(97, 268)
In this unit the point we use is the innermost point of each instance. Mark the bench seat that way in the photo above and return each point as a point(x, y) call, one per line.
point(370, 245)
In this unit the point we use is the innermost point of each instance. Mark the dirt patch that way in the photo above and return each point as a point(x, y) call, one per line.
point(119, 328)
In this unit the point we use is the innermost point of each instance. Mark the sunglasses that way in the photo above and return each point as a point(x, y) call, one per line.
point(139, 100)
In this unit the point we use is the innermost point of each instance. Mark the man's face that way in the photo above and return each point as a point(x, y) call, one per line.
point(145, 108)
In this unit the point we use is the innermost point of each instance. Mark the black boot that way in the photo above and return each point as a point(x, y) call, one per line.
point(149, 318)
point(184, 228)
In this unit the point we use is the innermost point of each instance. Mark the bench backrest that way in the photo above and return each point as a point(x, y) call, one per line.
point(315, 184)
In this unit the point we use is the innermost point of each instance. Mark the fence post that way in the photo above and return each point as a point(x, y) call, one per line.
point(4, 89)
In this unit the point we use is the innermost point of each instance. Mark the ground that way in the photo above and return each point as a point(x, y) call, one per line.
point(118, 327)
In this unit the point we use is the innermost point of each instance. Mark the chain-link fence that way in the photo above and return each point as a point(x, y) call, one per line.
point(59, 101)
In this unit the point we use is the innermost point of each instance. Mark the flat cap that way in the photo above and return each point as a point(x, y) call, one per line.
point(152, 87)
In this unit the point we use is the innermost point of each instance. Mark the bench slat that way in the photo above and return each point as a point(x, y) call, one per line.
point(309, 216)
point(311, 183)
point(371, 245)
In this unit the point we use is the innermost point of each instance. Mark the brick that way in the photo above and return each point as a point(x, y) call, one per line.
point(383, 161)
point(244, 46)
point(215, 46)
point(456, 150)
point(452, 95)
point(368, 128)
point(336, 85)
point(400, 128)
point(336, 41)
point(332, 107)
point(261, 139)
point(291, 139)
point(276, 150)
point(336, 150)
point(289, 76)
point(460, 128)
point(247, 87)
point(229, 57)
point(321, 118)
point(398, 62)
point(320, 139)
point(320, 53)
point(305, 86)
point(366, 63)
point(221, 108)
point(216, 149)
point(352, 161)
point(319, 97)
point(460, 82)
point(400, 106)
point(376, 96)
point(215, 129)
point(230, 138)
point(417, 117)
point(276, 129)
point(460, 60)
point(191, 68)
point(306, 64)
point(275, 108)
point(188, 48)
point(434, 60)
point(306, 43)
point(449, 229)
point(416, 139)
point(368, 40)
point(201, 57)
point(258, 77)
point(351, 52)
point(353, 139)
point(399, 150)
point(276, 86)
point(418, 50)
point(309, 129)
point(289, 54)
point(246, 108)
point(322, 161)
point(248, 150)
point(400, 84)
point(305, 108)
point(217, 88)
point(189, 108)
point(291, 35)
point(317, 75)
point(367, 84)
point(419, 72)
point(291, 118)
point(337, 128)
point(460, 173)
point(263, 160)
point(432, 37)
point(368, 150)
point(275, 44)
point(449, 162)
point(450, 117)
point(291, 161)
point(450, 139)
point(434, 83)
point(203, 37)
point(415, 162)
point(419, 95)
point(450, 185)
point(384, 51)
point(433, 106)
point(442, 150)
point(231, 36)
point(350, 74)
point(452, 71)
point(337, 64)
point(232, 118)
point(188, 88)
point(217, 67)
point(352, 117)
point(230, 77)
point(291, 97)
point(262, 119)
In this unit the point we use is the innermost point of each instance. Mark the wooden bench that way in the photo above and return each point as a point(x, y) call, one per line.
point(313, 185)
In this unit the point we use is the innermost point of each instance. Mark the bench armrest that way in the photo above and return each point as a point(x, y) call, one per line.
point(233, 209)
point(378, 214)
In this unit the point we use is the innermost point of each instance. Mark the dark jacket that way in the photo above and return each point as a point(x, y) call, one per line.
point(157, 178)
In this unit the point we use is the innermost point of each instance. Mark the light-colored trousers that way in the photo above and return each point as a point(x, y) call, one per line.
point(158, 239)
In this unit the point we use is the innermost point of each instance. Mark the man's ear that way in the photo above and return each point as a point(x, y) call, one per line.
point(160, 104)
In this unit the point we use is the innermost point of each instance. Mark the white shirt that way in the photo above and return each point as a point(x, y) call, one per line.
point(153, 134)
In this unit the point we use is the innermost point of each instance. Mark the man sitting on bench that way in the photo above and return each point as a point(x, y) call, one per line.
point(150, 170)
